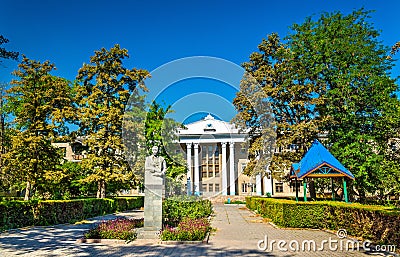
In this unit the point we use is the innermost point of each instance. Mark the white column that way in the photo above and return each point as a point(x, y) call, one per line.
point(258, 184)
point(232, 178)
point(268, 182)
point(196, 170)
point(189, 165)
point(223, 170)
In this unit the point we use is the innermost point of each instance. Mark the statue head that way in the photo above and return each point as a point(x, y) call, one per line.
point(154, 150)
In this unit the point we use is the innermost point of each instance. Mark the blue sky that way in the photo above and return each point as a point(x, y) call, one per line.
point(159, 32)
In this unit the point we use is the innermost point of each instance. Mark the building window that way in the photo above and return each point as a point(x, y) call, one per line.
point(216, 153)
point(210, 188)
point(244, 187)
point(204, 187)
point(279, 187)
point(216, 187)
point(252, 188)
point(293, 186)
point(204, 171)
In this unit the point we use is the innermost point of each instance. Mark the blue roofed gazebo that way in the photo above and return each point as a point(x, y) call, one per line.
point(318, 162)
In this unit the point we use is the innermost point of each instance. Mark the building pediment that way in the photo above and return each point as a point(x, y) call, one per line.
point(208, 125)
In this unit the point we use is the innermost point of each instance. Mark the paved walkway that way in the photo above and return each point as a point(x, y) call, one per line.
point(238, 233)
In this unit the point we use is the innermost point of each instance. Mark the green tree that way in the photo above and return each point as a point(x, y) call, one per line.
point(161, 130)
point(4, 54)
point(349, 66)
point(67, 183)
point(102, 94)
point(40, 104)
point(332, 76)
point(255, 115)
point(282, 80)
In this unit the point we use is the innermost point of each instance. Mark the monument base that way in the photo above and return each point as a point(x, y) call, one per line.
point(152, 212)
point(147, 233)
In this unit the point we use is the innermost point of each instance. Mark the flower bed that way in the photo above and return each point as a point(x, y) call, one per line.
point(187, 230)
point(186, 219)
point(120, 228)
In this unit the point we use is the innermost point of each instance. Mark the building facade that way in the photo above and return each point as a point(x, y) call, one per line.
point(216, 155)
point(73, 151)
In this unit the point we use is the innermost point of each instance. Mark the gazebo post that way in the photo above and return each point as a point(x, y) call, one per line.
point(305, 189)
point(297, 191)
point(333, 190)
point(345, 190)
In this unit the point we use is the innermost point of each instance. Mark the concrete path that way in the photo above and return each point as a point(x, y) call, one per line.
point(238, 232)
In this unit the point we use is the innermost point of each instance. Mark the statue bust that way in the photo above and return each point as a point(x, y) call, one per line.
point(155, 165)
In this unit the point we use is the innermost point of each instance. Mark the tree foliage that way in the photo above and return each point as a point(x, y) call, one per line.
point(331, 76)
point(4, 53)
point(40, 103)
point(255, 116)
point(160, 130)
point(102, 92)
point(4, 137)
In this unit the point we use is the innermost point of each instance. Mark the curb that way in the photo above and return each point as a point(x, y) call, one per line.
point(102, 241)
point(204, 241)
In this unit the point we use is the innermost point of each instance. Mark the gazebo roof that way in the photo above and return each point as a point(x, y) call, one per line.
point(319, 162)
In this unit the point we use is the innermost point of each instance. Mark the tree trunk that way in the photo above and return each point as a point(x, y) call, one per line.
point(361, 194)
point(27, 191)
point(98, 189)
point(101, 189)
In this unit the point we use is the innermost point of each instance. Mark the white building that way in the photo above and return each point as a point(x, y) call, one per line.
point(216, 154)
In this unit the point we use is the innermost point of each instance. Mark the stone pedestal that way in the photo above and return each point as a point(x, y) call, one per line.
point(154, 193)
point(152, 210)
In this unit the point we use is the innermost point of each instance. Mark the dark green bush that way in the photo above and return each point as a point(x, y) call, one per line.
point(376, 223)
point(177, 208)
point(15, 214)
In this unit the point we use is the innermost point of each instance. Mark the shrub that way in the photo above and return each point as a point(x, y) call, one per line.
point(120, 228)
point(376, 223)
point(187, 230)
point(15, 214)
point(177, 208)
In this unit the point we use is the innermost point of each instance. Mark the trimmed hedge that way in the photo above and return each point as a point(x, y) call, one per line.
point(15, 214)
point(376, 223)
point(175, 209)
